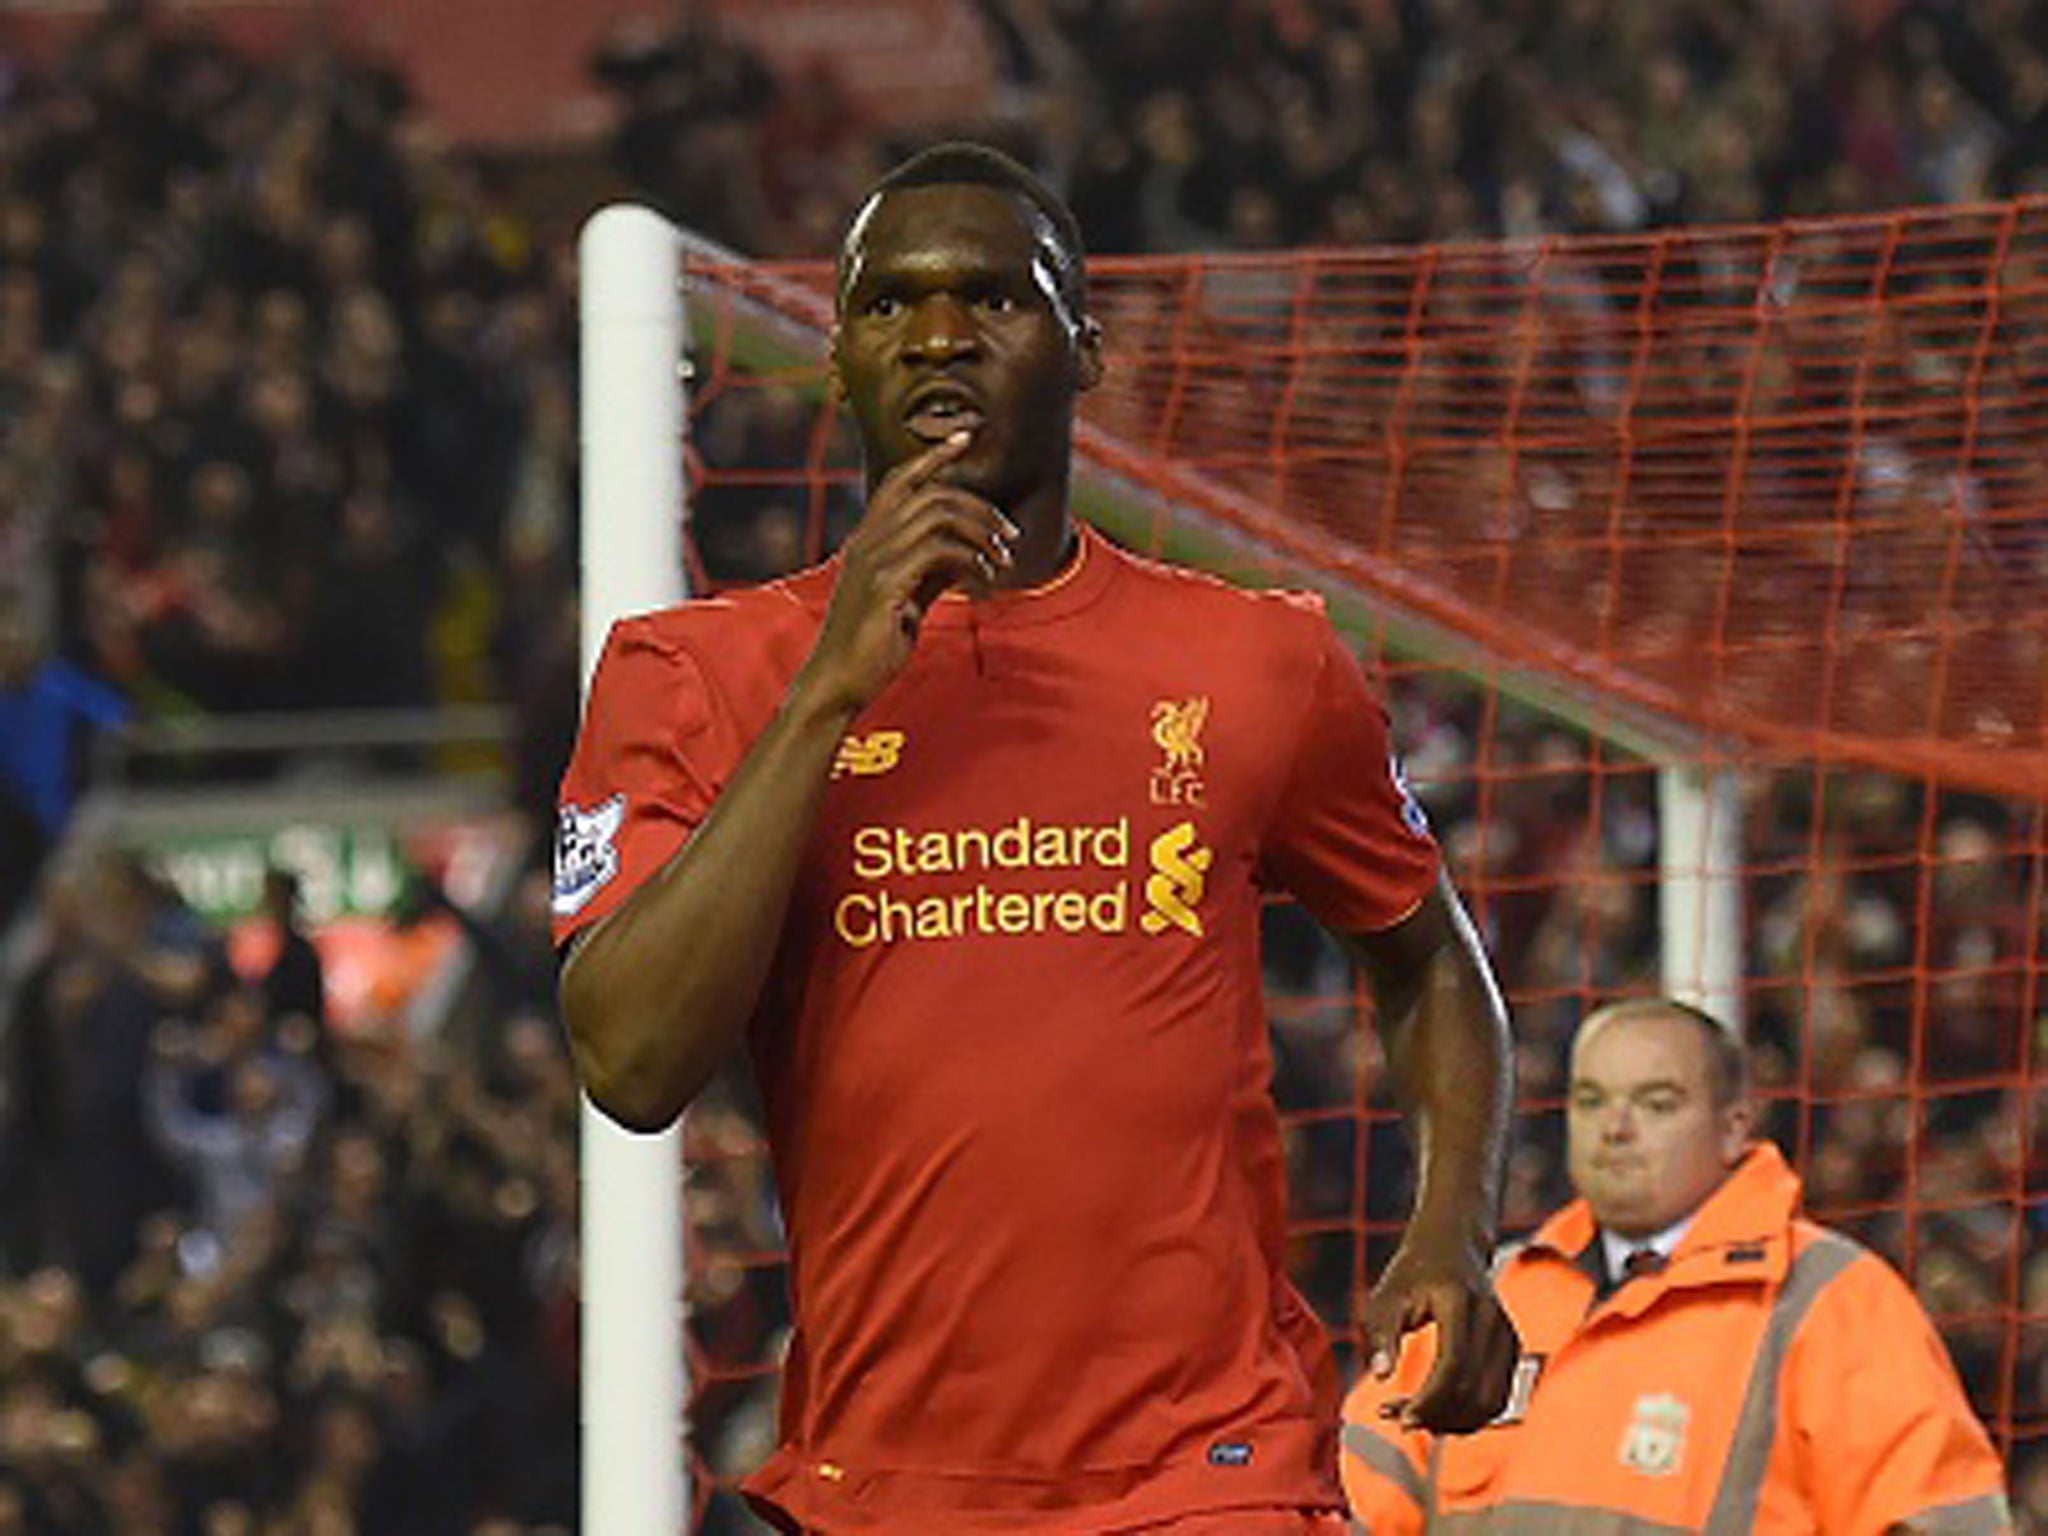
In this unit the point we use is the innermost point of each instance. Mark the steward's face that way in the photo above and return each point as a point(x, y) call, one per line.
point(1645, 1140)
point(951, 318)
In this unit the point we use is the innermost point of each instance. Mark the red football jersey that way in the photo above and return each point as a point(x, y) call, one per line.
point(1013, 1050)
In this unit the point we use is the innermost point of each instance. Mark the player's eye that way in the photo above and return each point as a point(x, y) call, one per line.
point(999, 303)
point(883, 306)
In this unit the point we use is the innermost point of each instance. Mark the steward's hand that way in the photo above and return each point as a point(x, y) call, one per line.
point(1443, 1281)
point(918, 537)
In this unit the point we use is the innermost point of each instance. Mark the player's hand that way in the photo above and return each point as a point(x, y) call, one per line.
point(1445, 1282)
point(918, 537)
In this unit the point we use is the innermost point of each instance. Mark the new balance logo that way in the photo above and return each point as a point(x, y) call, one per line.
point(865, 756)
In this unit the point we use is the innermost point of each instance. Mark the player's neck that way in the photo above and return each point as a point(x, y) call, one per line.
point(1043, 550)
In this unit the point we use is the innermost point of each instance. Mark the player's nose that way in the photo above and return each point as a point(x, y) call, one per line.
point(941, 329)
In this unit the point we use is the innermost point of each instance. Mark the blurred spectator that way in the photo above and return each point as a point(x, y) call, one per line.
point(124, 953)
point(47, 706)
point(294, 983)
point(239, 1153)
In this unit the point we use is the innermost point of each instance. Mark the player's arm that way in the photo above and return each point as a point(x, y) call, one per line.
point(1446, 1038)
point(657, 995)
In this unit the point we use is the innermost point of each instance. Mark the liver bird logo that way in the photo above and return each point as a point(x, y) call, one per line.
point(1177, 727)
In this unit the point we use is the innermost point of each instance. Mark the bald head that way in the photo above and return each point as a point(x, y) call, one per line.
point(1727, 1059)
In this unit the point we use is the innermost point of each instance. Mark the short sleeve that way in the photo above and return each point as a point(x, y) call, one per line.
point(1347, 838)
point(648, 762)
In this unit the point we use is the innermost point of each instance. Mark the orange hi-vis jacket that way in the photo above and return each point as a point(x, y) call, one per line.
point(1773, 1378)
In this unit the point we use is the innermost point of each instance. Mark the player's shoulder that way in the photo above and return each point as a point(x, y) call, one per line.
point(1198, 594)
point(703, 627)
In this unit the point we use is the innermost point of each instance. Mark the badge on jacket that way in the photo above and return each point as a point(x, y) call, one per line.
point(1654, 1443)
point(1528, 1368)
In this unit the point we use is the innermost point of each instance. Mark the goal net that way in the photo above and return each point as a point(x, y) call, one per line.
point(1707, 573)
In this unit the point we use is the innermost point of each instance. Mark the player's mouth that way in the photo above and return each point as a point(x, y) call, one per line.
point(935, 414)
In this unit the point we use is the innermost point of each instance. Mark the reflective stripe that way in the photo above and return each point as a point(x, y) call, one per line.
point(1756, 1427)
point(1540, 1518)
point(1986, 1515)
point(1386, 1459)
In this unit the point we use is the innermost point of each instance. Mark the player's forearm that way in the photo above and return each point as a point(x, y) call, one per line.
point(1449, 1057)
point(657, 997)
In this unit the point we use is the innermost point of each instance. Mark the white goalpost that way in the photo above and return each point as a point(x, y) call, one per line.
point(632, 420)
point(1699, 889)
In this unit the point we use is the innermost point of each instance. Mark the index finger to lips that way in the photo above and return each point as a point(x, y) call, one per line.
point(913, 473)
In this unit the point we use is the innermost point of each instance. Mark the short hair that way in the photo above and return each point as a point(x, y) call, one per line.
point(960, 162)
point(1727, 1056)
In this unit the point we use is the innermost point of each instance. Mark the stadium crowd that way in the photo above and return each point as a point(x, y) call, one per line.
point(1198, 124)
point(263, 1276)
point(286, 418)
point(285, 388)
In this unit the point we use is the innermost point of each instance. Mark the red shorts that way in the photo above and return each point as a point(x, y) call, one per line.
point(1240, 1522)
point(1252, 1522)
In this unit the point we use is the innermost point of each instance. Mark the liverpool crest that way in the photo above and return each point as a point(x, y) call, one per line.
point(1177, 731)
point(1654, 1443)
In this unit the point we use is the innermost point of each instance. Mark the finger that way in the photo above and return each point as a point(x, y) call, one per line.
point(915, 473)
point(1382, 1326)
point(1503, 1353)
point(1477, 1391)
point(936, 567)
point(949, 501)
point(899, 488)
point(944, 517)
point(1438, 1398)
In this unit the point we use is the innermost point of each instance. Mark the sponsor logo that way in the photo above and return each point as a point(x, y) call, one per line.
point(1180, 868)
point(586, 852)
point(1654, 1443)
point(881, 911)
point(1091, 892)
point(866, 756)
point(1230, 1453)
point(1177, 729)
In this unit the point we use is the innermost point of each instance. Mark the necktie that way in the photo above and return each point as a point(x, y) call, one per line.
point(1642, 1261)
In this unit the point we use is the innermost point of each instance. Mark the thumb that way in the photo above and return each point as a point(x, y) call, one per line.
point(1382, 1326)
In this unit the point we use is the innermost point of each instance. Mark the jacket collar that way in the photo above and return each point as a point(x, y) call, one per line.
point(1742, 1232)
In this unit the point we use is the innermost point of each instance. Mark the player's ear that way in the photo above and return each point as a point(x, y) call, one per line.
point(1088, 353)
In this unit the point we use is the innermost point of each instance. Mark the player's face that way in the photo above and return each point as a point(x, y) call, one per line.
point(951, 318)
point(1646, 1141)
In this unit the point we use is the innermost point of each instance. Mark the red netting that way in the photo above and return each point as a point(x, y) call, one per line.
point(1780, 491)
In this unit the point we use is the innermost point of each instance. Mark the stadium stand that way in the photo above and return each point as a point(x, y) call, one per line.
point(286, 421)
